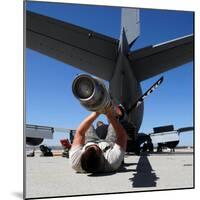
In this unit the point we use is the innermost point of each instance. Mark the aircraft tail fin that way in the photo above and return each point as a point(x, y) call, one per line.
point(130, 23)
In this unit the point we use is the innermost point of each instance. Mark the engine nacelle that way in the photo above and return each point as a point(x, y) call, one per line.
point(34, 141)
point(91, 92)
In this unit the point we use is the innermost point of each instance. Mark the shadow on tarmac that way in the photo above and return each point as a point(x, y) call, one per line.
point(101, 174)
point(144, 175)
point(122, 169)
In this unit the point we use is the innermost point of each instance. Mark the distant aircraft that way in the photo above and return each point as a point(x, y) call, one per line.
point(167, 136)
point(35, 134)
point(109, 59)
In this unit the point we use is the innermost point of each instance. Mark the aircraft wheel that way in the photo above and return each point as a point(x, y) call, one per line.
point(143, 144)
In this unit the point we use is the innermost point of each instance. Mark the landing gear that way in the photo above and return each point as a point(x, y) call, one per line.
point(31, 154)
point(46, 151)
point(136, 143)
point(159, 148)
point(143, 143)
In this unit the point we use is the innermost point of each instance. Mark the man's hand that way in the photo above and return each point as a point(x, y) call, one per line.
point(116, 111)
point(105, 109)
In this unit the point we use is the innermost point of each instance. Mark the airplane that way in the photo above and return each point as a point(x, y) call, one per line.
point(167, 136)
point(110, 59)
point(35, 135)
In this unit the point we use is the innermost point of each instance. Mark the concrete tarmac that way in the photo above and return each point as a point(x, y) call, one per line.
point(53, 176)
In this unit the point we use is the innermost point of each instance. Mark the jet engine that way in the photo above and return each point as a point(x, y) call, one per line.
point(91, 92)
point(34, 141)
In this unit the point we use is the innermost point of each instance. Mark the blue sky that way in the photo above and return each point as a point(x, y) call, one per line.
point(49, 98)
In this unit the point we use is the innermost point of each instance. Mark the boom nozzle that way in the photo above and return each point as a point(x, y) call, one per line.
point(91, 92)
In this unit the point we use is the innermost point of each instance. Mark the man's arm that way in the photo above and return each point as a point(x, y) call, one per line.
point(79, 138)
point(120, 131)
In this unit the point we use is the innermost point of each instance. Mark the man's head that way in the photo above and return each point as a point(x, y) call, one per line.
point(92, 159)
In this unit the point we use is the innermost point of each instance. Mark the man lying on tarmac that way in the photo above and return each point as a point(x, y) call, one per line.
point(90, 154)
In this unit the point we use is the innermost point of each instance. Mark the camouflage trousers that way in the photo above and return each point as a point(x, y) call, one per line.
point(91, 135)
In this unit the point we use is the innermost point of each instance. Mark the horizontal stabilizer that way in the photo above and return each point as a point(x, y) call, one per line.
point(82, 48)
point(153, 60)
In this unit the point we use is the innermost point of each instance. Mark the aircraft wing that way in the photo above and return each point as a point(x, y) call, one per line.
point(153, 60)
point(38, 131)
point(185, 129)
point(82, 48)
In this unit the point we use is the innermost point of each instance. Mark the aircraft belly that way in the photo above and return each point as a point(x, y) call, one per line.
point(125, 89)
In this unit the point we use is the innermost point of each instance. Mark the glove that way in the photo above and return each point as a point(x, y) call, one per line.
point(107, 108)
